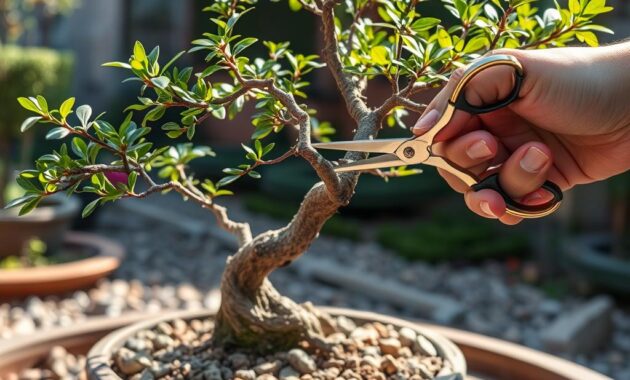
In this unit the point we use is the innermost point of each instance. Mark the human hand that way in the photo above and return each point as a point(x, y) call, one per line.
point(570, 125)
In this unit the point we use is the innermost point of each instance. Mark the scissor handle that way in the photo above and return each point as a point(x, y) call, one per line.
point(518, 209)
point(458, 97)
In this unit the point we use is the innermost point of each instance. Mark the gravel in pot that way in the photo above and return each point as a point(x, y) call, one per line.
point(179, 348)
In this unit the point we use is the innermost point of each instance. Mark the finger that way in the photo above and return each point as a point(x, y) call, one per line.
point(469, 150)
point(434, 110)
point(489, 204)
point(457, 184)
point(525, 171)
point(485, 203)
point(487, 87)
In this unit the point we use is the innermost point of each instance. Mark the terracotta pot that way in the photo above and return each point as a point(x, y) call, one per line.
point(483, 357)
point(48, 222)
point(99, 357)
point(65, 277)
point(22, 353)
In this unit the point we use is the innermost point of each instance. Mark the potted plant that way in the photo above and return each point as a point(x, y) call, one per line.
point(412, 52)
point(603, 259)
point(37, 255)
point(35, 70)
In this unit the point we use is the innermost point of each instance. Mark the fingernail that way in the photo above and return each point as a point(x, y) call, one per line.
point(532, 198)
point(534, 160)
point(427, 121)
point(485, 207)
point(479, 150)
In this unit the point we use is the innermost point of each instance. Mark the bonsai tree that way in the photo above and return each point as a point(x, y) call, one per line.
point(363, 40)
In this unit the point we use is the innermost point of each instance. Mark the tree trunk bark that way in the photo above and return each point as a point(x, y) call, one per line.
point(252, 313)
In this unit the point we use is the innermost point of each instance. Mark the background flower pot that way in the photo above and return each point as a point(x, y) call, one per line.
point(28, 352)
point(590, 259)
point(49, 222)
point(66, 277)
point(100, 356)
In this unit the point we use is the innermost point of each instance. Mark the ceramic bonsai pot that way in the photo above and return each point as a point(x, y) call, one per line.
point(589, 258)
point(100, 357)
point(482, 358)
point(105, 257)
point(48, 222)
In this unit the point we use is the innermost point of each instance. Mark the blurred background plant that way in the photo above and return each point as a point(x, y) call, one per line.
point(31, 21)
point(29, 64)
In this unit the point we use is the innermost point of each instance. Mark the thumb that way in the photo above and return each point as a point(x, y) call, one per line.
point(487, 87)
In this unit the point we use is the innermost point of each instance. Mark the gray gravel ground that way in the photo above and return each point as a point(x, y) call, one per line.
point(167, 269)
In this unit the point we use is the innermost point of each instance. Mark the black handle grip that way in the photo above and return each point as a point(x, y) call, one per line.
point(462, 104)
point(515, 208)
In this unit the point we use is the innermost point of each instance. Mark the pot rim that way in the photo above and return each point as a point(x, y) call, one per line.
point(25, 351)
point(65, 208)
point(98, 365)
point(108, 256)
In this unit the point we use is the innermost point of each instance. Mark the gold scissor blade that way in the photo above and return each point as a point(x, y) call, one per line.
point(378, 162)
point(367, 146)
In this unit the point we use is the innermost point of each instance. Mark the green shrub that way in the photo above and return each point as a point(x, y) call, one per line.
point(451, 238)
point(25, 71)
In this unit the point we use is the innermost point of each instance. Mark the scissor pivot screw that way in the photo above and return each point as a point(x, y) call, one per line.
point(409, 152)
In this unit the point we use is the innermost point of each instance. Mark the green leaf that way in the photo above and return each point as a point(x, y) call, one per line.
point(28, 123)
point(171, 126)
point(249, 151)
point(574, 6)
point(66, 108)
point(175, 134)
point(254, 174)
point(476, 44)
point(79, 147)
point(295, 5)
point(84, 113)
point(89, 209)
point(589, 37)
point(379, 55)
point(190, 132)
point(30, 205)
point(161, 82)
point(170, 63)
point(57, 133)
point(139, 54)
point(131, 181)
point(444, 39)
point(597, 28)
point(121, 65)
point(268, 149)
point(424, 23)
point(29, 105)
point(243, 44)
point(21, 200)
point(219, 113)
point(42, 103)
point(227, 180)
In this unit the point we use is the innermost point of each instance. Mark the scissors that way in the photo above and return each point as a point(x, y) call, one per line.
point(418, 150)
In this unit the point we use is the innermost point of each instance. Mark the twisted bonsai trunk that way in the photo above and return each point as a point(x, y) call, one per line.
point(252, 313)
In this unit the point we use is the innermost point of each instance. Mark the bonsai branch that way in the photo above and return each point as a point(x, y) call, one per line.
point(348, 85)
